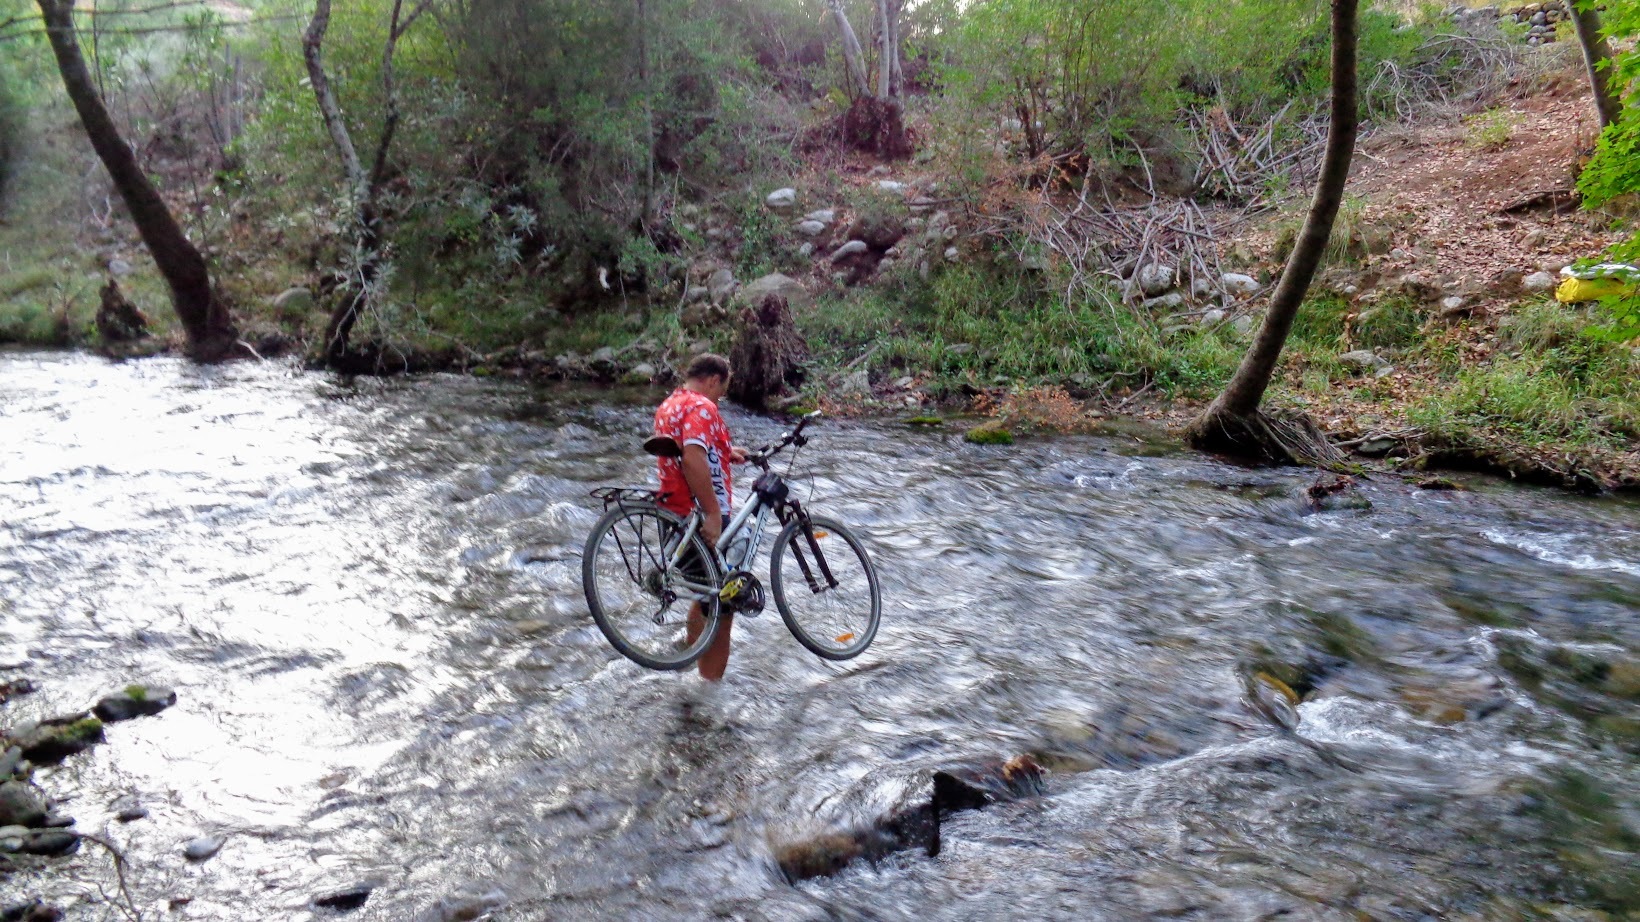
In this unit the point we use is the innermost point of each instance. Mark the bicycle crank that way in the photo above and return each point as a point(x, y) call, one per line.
point(742, 593)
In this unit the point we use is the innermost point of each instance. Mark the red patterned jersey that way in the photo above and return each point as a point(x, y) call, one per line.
point(693, 419)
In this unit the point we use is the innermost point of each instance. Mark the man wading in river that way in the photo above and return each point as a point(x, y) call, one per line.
point(701, 477)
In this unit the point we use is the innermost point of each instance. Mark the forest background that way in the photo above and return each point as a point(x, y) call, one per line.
point(1051, 212)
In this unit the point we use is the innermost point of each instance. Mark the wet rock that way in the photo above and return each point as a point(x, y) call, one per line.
point(51, 741)
point(50, 842)
point(203, 847)
point(468, 907)
point(781, 199)
point(128, 809)
point(134, 701)
point(57, 821)
point(11, 762)
point(11, 838)
point(990, 433)
point(346, 900)
point(32, 911)
point(1332, 493)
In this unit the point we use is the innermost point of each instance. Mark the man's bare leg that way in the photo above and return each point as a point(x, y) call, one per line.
point(716, 658)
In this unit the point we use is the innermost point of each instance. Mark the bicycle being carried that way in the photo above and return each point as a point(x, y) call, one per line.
point(644, 566)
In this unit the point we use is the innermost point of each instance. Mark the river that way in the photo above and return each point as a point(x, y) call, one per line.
point(367, 597)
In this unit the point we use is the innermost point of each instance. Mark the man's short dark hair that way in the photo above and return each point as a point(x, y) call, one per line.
point(708, 365)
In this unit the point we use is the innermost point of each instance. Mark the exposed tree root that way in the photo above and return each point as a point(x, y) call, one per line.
point(1280, 437)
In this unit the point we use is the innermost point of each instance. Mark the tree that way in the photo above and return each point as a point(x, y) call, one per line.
point(875, 121)
point(1597, 56)
point(1233, 422)
point(209, 328)
point(364, 189)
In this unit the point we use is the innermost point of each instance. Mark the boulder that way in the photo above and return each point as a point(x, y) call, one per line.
point(20, 805)
point(811, 228)
point(1235, 283)
point(797, 297)
point(781, 199)
point(822, 216)
point(852, 248)
point(134, 701)
point(1212, 317)
point(1170, 301)
point(768, 353)
point(721, 285)
point(51, 741)
point(1538, 282)
point(203, 847)
point(293, 302)
point(1154, 279)
point(1362, 360)
point(806, 250)
point(1454, 306)
point(951, 254)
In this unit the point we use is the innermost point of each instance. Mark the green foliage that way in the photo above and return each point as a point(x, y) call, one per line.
point(971, 323)
point(1490, 129)
point(991, 433)
point(1563, 384)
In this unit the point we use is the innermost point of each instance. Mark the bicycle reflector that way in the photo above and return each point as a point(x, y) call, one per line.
point(845, 638)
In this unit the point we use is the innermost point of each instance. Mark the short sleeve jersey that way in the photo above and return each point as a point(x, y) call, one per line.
point(693, 419)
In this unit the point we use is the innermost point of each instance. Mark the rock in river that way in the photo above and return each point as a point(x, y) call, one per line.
point(51, 741)
point(346, 900)
point(20, 805)
point(134, 701)
point(203, 847)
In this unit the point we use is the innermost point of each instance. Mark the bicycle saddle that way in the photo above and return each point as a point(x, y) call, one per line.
point(663, 447)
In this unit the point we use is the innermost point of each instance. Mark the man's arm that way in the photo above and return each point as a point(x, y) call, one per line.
point(697, 472)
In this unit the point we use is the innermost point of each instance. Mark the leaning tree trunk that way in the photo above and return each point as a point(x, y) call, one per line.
point(1233, 422)
point(363, 189)
point(853, 55)
point(205, 320)
point(1597, 55)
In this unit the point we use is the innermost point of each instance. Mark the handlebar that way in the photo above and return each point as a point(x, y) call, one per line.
point(761, 456)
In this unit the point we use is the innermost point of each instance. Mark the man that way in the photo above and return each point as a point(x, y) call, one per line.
point(701, 477)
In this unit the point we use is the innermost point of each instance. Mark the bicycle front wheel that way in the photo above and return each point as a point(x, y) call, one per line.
point(825, 587)
point(639, 599)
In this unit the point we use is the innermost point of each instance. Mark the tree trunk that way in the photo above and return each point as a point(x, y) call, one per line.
point(211, 336)
point(1233, 423)
point(853, 56)
point(1597, 55)
point(363, 189)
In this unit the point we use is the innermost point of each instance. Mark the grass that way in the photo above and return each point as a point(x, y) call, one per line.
point(977, 327)
point(1557, 385)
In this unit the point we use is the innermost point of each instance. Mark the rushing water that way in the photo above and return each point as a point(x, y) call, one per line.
point(367, 597)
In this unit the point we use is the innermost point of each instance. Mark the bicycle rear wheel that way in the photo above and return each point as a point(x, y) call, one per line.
point(838, 621)
point(638, 601)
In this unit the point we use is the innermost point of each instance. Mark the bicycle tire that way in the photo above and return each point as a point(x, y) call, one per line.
point(619, 627)
point(826, 644)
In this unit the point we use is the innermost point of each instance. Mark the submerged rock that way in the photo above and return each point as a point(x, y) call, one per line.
point(50, 842)
point(468, 907)
point(346, 900)
point(134, 701)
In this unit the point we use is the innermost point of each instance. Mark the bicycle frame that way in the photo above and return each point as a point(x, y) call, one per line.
point(758, 509)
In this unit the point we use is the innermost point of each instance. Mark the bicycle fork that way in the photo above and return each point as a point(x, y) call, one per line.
point(814, 548)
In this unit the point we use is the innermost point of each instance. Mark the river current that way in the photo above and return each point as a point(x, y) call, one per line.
point(367, 597)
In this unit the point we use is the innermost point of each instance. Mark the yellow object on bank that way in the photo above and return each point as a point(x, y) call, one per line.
point(1573, 290)
point(1595, 282)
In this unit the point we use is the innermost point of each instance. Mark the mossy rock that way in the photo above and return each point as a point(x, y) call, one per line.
point(991, 433)
point(55, 740)
point(925, 421)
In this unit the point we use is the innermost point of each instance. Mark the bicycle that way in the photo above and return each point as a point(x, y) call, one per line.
point(643, 566)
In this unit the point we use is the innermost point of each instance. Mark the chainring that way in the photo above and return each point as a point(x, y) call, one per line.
point(747, 599)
